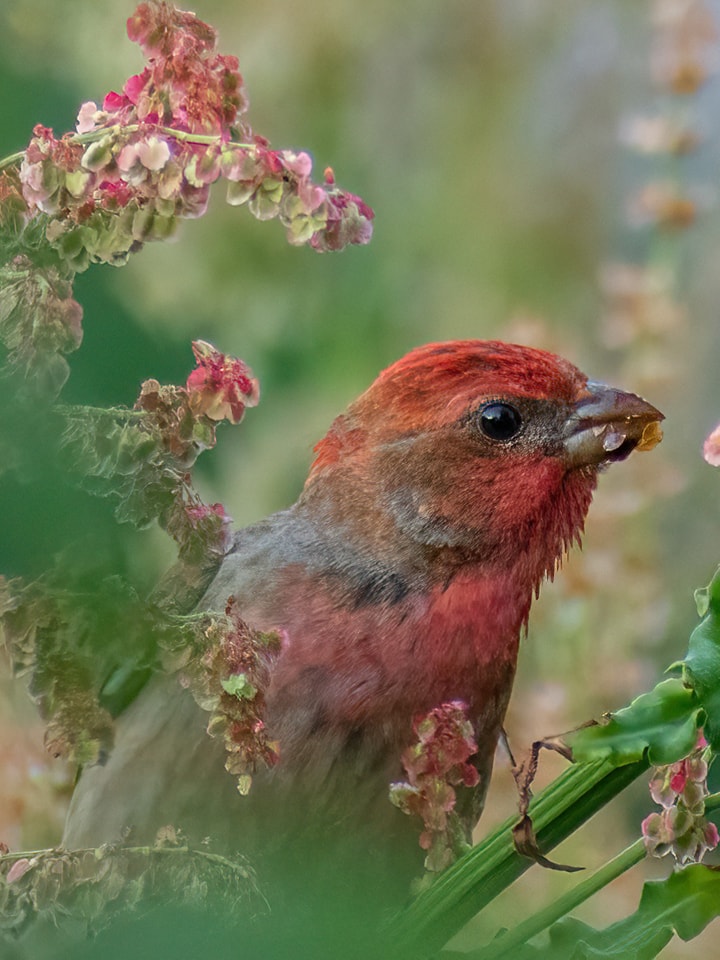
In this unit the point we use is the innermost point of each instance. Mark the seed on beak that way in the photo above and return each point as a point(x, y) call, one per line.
point(651, 436)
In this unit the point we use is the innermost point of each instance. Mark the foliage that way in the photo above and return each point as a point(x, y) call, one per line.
point(701, 665)
point(145, 159)
point(684, 903)
point(136, 165)
point(142, 161)
point(435, 765)
point(96, 887)
point(663, 723)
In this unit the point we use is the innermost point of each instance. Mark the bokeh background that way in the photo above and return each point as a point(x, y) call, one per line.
point(519, 194)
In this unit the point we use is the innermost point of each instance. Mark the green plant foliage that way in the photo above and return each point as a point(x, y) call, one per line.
point(661, 724)
point(701, 666)
point(684, 904)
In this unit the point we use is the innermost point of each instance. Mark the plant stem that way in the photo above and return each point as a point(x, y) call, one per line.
point(504, 945)
point(476, 879)
point(12, 159)
point(94, 135)
point(145, 851)
point(80, 411)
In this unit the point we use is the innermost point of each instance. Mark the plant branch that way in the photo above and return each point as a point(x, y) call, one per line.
point(94, 135)
point(507, 943)
point(476, 879)
point(143, 851)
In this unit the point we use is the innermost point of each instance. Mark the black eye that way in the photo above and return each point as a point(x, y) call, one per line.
point(500, 421)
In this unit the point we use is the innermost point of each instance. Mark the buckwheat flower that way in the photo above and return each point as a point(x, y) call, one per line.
point(87, 117)
point(711, 448)
point(134, 181)
point(681, 828)
point(298, 163)
point(208, 531)
point(435, 764)
point(153, 153)
point(204, 167)
point(220, 387)
point(349, 221)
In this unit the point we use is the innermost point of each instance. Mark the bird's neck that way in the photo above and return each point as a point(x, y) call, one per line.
point(454, 597)
point(408, 536)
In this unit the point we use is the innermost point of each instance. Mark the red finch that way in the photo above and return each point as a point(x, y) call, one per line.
point(401, 579)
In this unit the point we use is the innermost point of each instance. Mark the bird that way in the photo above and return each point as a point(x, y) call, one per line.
point(402, 578)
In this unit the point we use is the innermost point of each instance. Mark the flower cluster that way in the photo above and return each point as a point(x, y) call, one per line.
point(93, 889)
point(39, 322)
point(220, 387)
point(141, 457)
point(228, 677)
point(683, 56)
point(149, 154)
point(55, 631)
point(435, 764)
point(681, 828)
point(185, 83)
point(711, 448)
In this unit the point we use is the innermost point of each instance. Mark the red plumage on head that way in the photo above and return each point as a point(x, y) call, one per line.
point(438, 382)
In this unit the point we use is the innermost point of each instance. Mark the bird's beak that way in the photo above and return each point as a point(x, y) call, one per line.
point(607, 425)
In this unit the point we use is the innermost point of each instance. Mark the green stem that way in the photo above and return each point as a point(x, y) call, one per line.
point(146, 851)
point(81, 411)
point(94, 135)
point(12, 159)
point(504, 945)
point(461, 891)
point(23, 855)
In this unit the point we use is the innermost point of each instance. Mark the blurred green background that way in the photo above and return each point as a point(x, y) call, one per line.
point(487, 138)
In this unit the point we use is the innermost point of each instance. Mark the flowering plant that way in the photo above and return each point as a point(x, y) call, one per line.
point(435, 764)
point(134, 167)
point(138, 164)
point(680, 828)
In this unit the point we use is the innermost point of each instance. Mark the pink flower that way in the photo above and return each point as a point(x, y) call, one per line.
point(186, 83)
point(153, 153)
point(679, 779)
point(349, 220)
point(86, 117)
point(711, 448)
point(114, 101)
point(220, 387)
point(134, 86)
point(435, 765)
point(214, 515)
point(711, 835)
point(18, 870)
point(156, 178)
point(115, 193)
point(681, 828)
point(298, 163)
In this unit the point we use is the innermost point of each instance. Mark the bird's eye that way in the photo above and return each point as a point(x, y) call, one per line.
point(499, 421)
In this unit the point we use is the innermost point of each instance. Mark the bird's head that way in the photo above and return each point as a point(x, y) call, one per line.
point(487, 449)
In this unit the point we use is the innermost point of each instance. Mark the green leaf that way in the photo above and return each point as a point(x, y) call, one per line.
point(663, 723)
point(684, 903)
point(239, 686)
point(571, 939)
point(702, 663)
